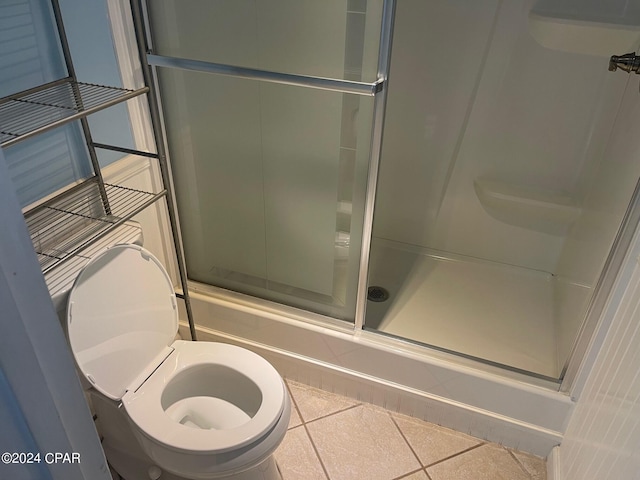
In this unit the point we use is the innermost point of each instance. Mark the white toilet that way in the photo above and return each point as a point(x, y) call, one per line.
point(169, 409)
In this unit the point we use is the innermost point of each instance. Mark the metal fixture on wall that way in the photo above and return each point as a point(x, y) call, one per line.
point(629, 62)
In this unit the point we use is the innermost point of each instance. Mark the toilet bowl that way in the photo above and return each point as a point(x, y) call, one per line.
point(197, 410)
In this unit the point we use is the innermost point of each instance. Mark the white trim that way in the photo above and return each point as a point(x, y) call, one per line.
point(143, 173)
point(126, 50)
point(125, 46)
point(553, 465)
point(128, 167)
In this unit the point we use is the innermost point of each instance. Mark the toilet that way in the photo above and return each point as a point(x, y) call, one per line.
point(168, 409)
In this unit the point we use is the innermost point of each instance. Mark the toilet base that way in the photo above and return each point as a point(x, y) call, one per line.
point(128, 459)
point(130, 467)
point(135, 468)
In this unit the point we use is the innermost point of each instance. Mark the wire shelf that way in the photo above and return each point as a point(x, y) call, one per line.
point(72, 221)
point(34, 111)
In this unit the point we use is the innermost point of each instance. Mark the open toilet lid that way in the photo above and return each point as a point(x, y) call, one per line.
point(121, 314)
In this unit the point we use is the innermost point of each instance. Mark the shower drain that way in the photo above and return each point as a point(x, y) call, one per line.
point(377, 294)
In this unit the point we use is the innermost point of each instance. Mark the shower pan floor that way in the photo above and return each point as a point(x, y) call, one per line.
point(495, 312)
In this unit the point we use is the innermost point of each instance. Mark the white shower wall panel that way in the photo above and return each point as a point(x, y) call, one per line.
point(506, 110)
point(608, 194)
point(526, 127)
point(437, 54)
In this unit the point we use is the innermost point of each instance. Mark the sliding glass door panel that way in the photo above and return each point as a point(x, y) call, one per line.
point(270, 182)
point(301, 164)
point(213, 126)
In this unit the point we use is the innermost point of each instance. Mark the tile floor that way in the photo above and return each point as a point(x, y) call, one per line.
point(336, 438)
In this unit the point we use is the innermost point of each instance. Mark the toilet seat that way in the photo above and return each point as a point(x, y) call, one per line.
point(121, 315)
point(121, 321)
point(145, 406)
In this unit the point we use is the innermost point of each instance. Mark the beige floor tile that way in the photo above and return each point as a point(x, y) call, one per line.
point(362, 443)
point(421, 475)
point(431, 442)
point(313, 403)
point(487, 462)
point(294, 420)
point(536, 466)
point(296, 457)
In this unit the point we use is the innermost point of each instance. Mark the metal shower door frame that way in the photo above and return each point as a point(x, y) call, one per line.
point(378, 89)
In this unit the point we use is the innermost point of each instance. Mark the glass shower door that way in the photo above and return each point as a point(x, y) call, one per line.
point(269, 108)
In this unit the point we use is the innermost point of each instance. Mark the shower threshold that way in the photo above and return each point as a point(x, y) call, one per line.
point(494, 312)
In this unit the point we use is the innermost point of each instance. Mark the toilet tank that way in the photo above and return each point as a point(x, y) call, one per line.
point(60, 279)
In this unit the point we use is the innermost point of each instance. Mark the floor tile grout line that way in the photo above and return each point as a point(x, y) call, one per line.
point(351, 407)
point(315, 449)
point(519, 462)
point(424, 467)
point(304, 422)
point(406, 440)
point(313, 446)
point(408, 474)
point(294, 403)
point(306, 430)
point(454, 455)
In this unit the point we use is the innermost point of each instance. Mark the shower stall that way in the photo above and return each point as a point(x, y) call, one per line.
point(507, 166)
point(452, 174)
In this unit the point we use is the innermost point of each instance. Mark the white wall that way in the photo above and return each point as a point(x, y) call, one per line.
point(602, 440)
